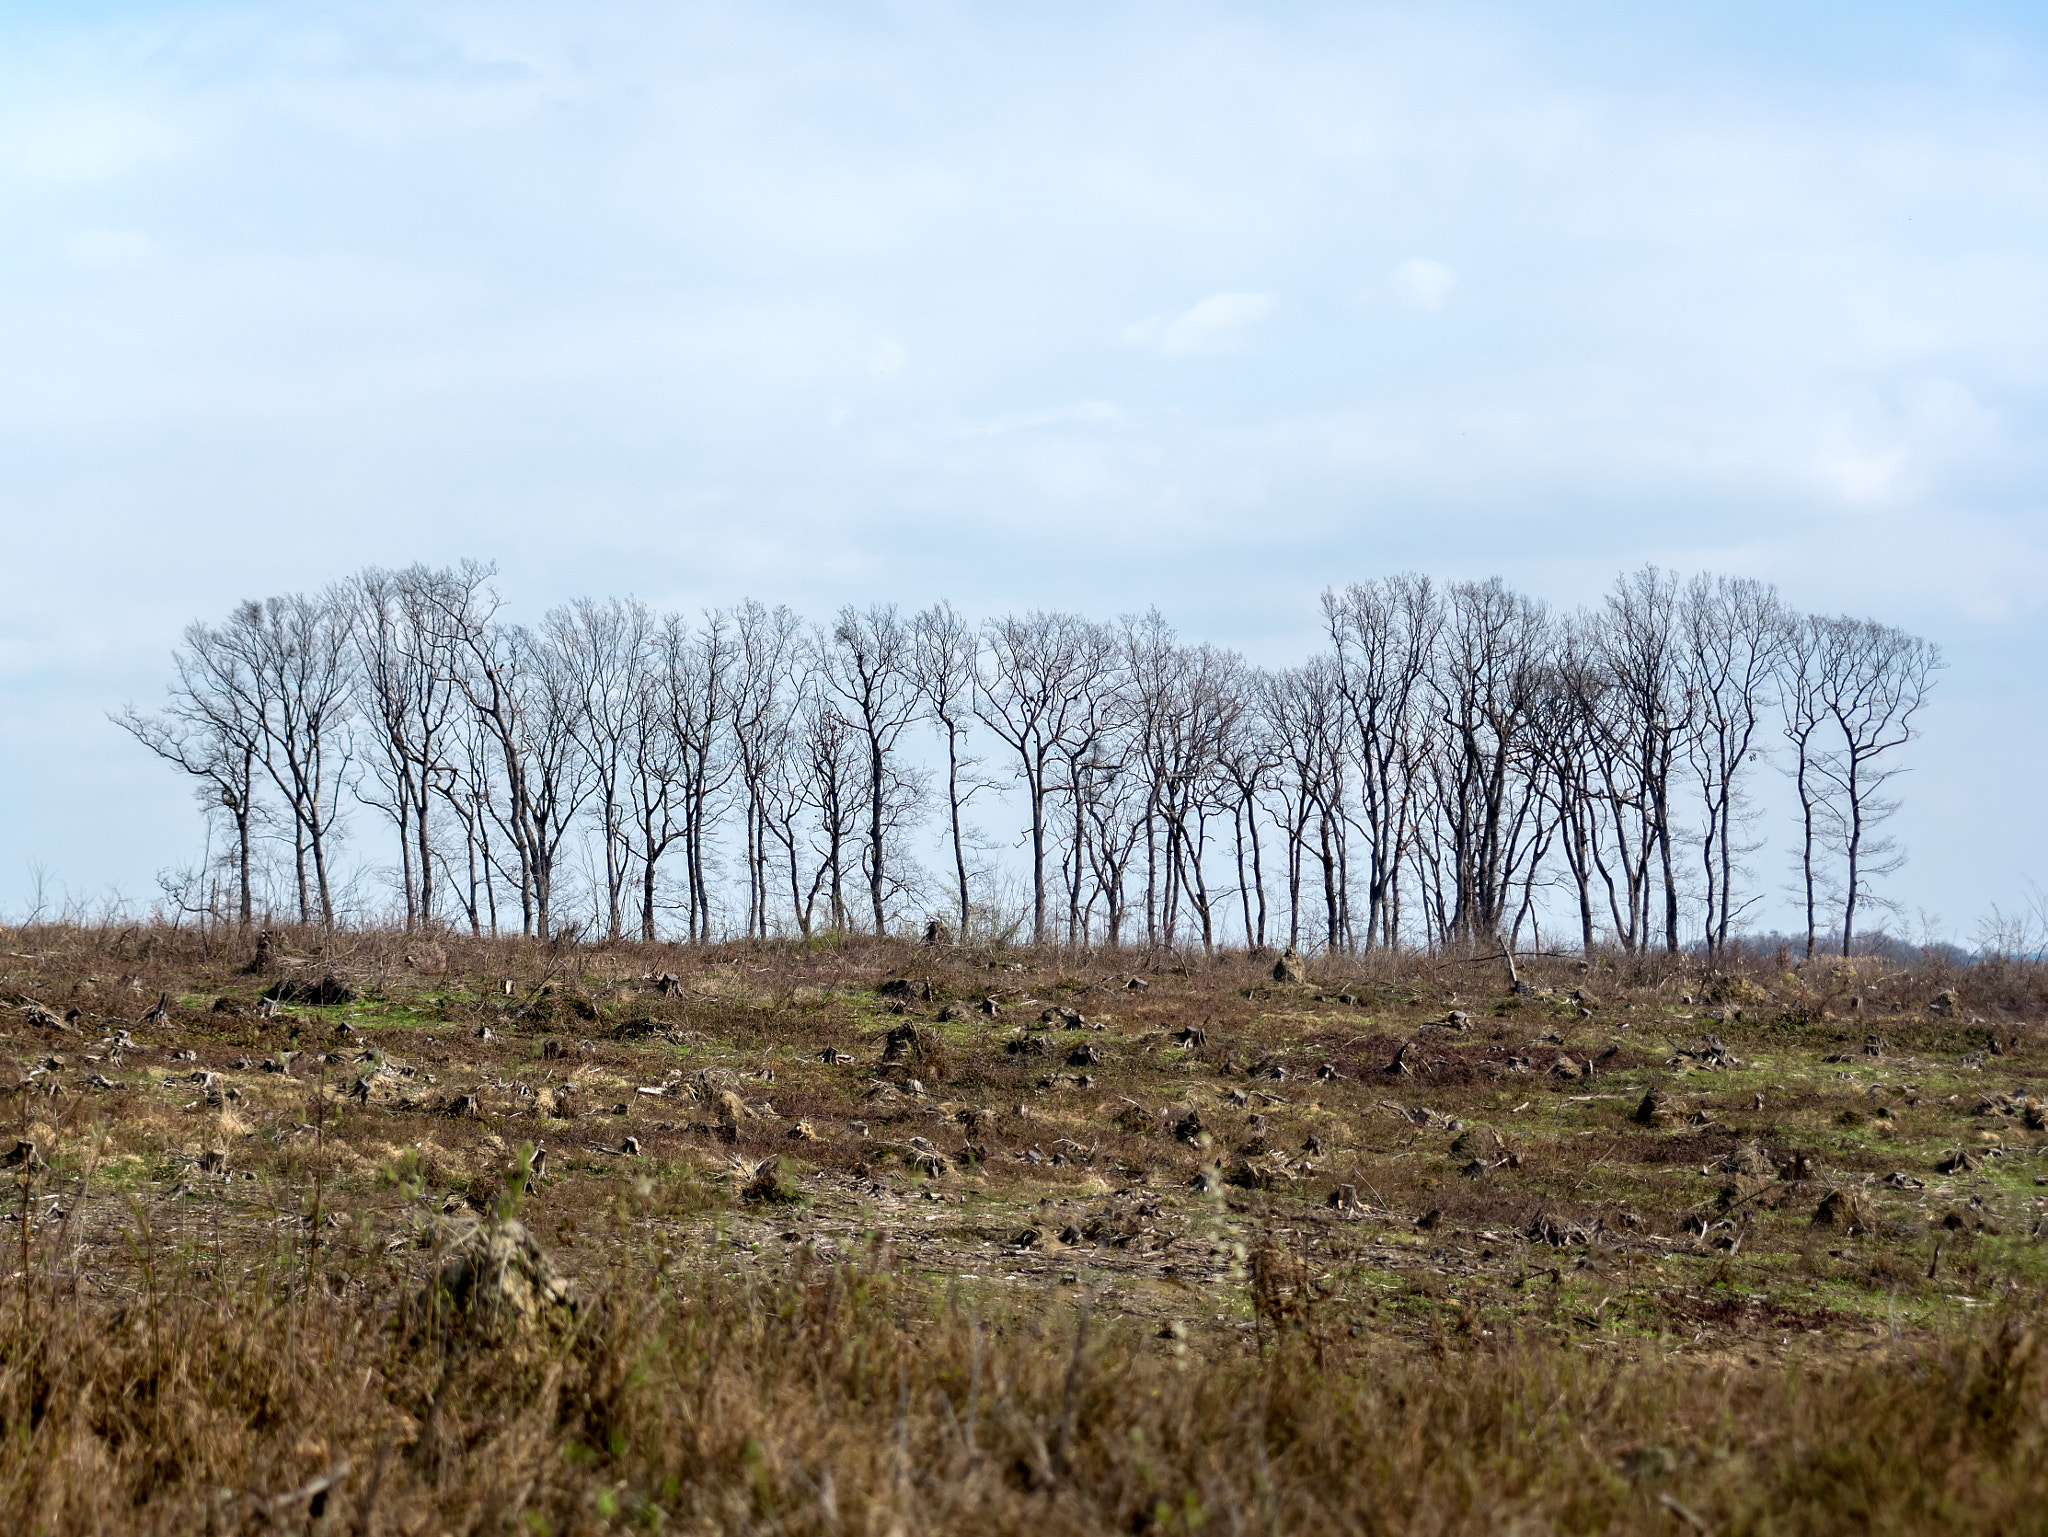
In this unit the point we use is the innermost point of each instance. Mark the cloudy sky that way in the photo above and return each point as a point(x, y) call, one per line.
point(1091, 306)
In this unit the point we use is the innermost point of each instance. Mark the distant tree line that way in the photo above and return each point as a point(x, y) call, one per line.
point(1458, 765)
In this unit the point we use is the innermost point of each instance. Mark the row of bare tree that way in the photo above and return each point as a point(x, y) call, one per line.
point(1460, 765)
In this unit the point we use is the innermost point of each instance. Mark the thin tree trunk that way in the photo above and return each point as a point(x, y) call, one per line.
point(959, 841)
point(1258, 877)
point(1855, 853)
point(875, 878)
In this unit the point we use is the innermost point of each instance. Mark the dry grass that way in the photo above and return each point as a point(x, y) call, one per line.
point(872, 1350)
point(843, 1398)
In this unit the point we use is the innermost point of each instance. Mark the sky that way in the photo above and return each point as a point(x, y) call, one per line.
point(1095, 307)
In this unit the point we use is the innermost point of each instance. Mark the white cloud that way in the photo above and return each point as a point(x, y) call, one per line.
point(1086, 413)
point(888, 358)
point(1863, 479)
point(444, 281)
point(1904, 445)
point(83, 139)
point(109, 250)
point(1215, 324)
point(1424, 284)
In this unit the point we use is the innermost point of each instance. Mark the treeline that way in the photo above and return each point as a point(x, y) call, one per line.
point(1459, 764)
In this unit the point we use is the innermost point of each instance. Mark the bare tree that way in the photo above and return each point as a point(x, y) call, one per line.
point(1035, 671)
point(212, 729)
point(1150, 660)
point(1097, 708)
point(526, 700)
point(1566, 741)
point(1203, 701)
point(1732, 631)
point(1651, 715)
point(1384, 636)
point(816, 792)
point(467, 786)
point(869, 664)
point(294, 652)
point(1486, 679)
point(943, 653)
point(763, 702)
point(1249, 758)
point(1117, 795)
point(653, 770)
point(406, 696)
point(1456, 767)
point(680, 762)
point(1305, 713)
point(550, 719)
point(1178, 708)
point(1874, 681)
point(601, 652)
point(1803, 665)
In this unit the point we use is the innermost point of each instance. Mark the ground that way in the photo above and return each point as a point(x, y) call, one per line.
point(1759, 1171)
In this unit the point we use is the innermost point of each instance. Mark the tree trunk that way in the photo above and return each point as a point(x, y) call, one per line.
point(959, 842)
point(875, 878)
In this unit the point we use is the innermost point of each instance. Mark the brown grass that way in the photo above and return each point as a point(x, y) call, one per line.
point(180, 1354)
point(844, 1398)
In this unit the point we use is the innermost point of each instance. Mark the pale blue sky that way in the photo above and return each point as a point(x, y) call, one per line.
point(1087, 306)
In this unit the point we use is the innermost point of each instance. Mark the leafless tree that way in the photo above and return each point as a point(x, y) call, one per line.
point(1251, 755)
point(1456, 767)
point(1486, 680)
point(294, 651)
point(1732, 631)
point(815, 799)
point(653, 770)
point(526, 700)
point(1649, 717)
point(1568, 741)
point(868, 664)
point(1874, 681)
point(1085, 753)
point(1305, 713)
point(1804, 662)
point(1117, 794)
point(1201, 707)
point(1034, 672)
point(943, 652)
point(763, 701)
point(212, 729)
point(406, 698)
point(1625, 827)
point(467, 787)
point(681, 761)
point(551, 720)
point(1151, 659)
point(601, 651)
point(1384, 635)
